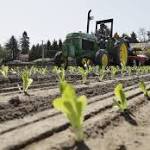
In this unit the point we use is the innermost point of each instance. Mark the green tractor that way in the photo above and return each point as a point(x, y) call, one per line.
point(99, 48)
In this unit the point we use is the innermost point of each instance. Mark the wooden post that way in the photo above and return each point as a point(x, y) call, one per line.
point(42, 52)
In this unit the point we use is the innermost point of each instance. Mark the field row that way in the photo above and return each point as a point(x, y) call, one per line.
point(50, 125)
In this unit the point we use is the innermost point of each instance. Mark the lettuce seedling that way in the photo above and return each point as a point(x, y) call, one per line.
point(4, 71)
point(33, 70)
point(129, 70)
point(60, 72)
point(27, 81)
point(114, 71)
point(120, 99)
point(102, 73)
point(43, 71)
point(84, 73)
point(123, 69)
point(73, 108)
point(13, 71)
point(72, 69)
point(142, 86)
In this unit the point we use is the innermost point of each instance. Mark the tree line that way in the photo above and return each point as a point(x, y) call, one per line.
point(14, 47)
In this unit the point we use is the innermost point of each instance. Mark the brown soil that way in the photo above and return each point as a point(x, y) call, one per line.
point(50, 130)
point(30, 122)
point(50, 81)
point(124, 135)
point(106, 131)
point(14, 105)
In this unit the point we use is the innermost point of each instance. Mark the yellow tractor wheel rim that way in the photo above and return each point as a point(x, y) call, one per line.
point(123, 54)
point(104, 60)
point(84, 61)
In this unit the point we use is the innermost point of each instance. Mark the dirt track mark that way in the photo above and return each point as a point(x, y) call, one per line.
point(39, 129)
point(94, 128)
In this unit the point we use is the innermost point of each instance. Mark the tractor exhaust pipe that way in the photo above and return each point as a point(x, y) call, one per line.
point(89, 19)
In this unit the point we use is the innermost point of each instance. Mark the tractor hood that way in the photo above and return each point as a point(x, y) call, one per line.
point(81, 35)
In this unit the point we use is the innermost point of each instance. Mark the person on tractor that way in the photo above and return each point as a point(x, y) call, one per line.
point(102, 35)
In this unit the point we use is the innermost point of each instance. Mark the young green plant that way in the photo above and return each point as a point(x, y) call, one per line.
point(102, 73)
point(84, 73)
point(72, 69)
point(60, 72)
point(72, 106)
point(120, 99)
point(129, 70)
point(114, 71)
point(43, 71)
point(143, 88)
point(26, 81)
point(123, 69)
point(4, 71)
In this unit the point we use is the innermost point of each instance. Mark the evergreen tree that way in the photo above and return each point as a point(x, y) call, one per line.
point(24, 43)
point(48, 45)
point(32, 53)
point(60, 45)
point(38, 51)
point(12, 47)
point(2, 54)
point(54, 45)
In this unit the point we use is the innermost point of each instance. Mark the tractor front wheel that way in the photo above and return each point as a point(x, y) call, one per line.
point(102, 58)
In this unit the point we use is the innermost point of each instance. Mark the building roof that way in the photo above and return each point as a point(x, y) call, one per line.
point(140, 45)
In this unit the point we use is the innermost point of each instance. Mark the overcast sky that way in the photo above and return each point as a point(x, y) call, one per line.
point(49, 19)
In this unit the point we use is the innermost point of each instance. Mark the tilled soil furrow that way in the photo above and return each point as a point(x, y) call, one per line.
point(11, 125)
point(109, 85)
point(94, 127)
point(46, 128)
point(34, 86)
point(12, 87)
point(124, 134)
point(20, 106)
point(52, 84)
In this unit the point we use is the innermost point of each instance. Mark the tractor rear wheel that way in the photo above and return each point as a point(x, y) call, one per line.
point(60, 60)
point(102, 58)
point(120, 54)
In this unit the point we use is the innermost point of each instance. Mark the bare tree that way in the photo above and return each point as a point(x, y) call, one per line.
point(142, 35)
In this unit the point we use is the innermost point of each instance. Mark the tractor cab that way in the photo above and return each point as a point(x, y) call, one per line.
point(103, 32)
point(115, 47)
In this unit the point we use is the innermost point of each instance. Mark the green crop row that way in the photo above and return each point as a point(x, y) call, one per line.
point(74, 106)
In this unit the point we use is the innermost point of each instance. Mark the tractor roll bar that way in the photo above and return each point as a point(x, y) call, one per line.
point(105, 21)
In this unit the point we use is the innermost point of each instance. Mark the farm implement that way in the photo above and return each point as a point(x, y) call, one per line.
point(99, 48)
